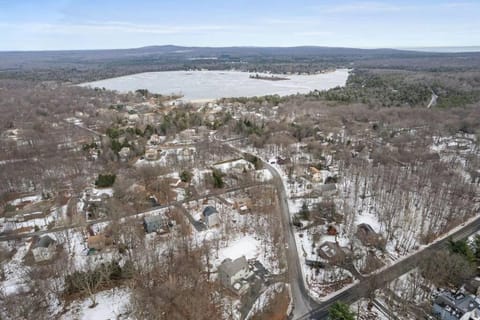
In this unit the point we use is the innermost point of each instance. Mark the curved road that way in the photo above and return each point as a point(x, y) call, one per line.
point(307, 308)
point(379, 280)
point(302, 301)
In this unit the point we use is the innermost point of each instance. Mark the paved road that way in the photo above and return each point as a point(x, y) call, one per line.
point(8, 237)
point(364, 287)
point(307, 308)
point(302, 301)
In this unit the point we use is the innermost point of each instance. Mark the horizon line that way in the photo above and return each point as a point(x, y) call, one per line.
point(401, 48)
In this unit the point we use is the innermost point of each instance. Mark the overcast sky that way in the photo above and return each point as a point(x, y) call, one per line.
point(90, 24)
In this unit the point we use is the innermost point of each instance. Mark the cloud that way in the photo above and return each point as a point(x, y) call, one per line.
point(109, 27)
point(314, 34)
point(363, 7)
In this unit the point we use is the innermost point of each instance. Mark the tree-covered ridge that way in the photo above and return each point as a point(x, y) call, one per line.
point(401, 88)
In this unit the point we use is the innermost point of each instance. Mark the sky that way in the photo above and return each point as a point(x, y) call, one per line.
point(109, 24)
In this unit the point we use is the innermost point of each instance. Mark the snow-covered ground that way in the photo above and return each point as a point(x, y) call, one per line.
point(265, 298)
point(15, 270)
point(111, 305)
point(29, 199)
point(361, 308)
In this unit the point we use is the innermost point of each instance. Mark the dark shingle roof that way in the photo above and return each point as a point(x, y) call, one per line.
point(44, 242)
point(209, 211)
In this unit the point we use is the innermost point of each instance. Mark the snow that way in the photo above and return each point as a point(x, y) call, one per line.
point(361, 306)
point(104, 191)
point(219, 84)
point(370, 219)
point(236, 165)
point(111, 305)
point(33, 199)
point(264, 299)
point(263, 175)
point(14, 271)
point(246, 246)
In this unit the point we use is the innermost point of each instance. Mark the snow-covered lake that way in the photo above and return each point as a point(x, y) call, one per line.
point(210, 85)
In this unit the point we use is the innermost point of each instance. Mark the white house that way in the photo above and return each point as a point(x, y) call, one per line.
point(211, 216)
point(234, 273)
point(44, 249)
point(124, 153)
point(151, 154)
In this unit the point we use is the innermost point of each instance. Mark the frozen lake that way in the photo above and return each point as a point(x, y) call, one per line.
point(210, 85)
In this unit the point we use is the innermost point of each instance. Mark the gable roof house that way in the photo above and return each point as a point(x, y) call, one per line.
point(151, 154)
point(369, 237)
point(44, 249)
point(211, 216)
point(315, 174)
point(325, 190)
point(155, 223)
point(233, 274)
point(448, 306)
point(98, 242)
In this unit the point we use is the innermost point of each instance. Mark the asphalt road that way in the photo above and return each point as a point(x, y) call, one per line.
point(379, 280)
point(302, 301)
point(307, 308)
point(9, 237)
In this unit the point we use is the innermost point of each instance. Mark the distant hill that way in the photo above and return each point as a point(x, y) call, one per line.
point(21, 59)
point(87, 65)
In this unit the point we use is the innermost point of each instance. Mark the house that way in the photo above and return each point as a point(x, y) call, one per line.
point(454, 306)
point(97, 242)
point(282, 160)
point(233, 274)
point(236, 166)
point(211, 216)
point(124, 153)
point(471, 315)
point(315, 174)
point(326, 190)
point(369, 237)
point(151, 154)
point(155, 223)
point(44, 249)
point(155, 139)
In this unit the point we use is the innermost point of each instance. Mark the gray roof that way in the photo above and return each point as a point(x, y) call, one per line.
point(460, 302)
point(327, 187)
point(209, 211)
point(44, 242)
point(154, 219)
point(366, 227)
point(231, 268)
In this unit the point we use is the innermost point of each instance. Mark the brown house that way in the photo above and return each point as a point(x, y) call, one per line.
point(98, 242)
